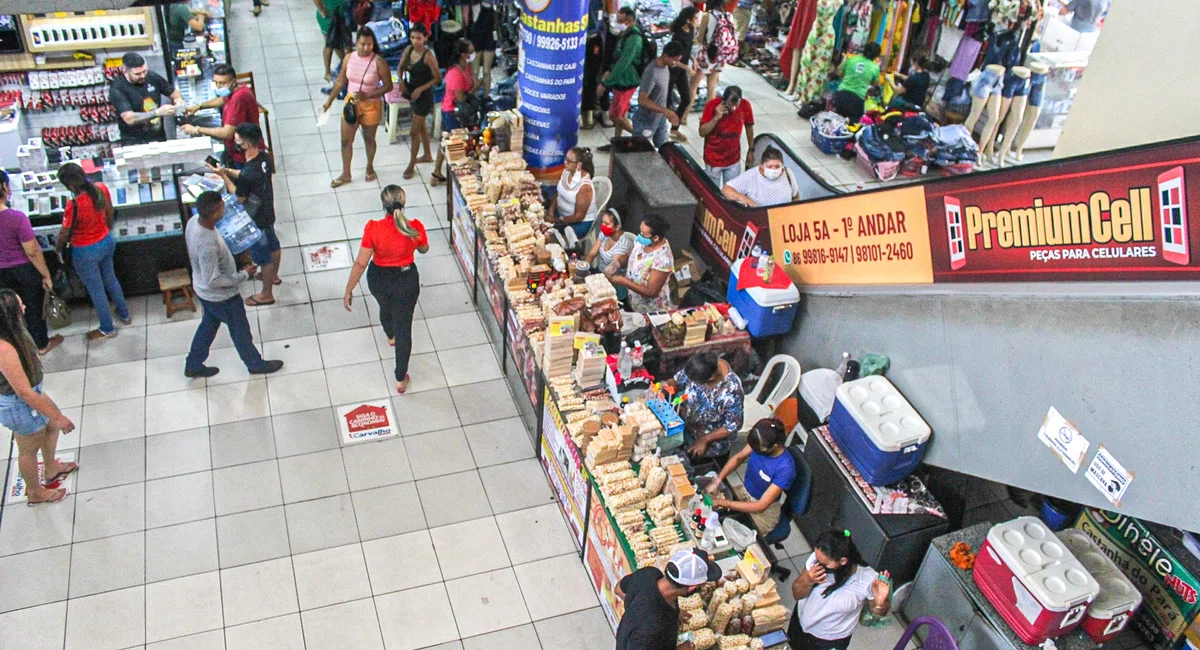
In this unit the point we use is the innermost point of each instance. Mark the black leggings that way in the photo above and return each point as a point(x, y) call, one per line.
point(679, 83)
point(27, 282)
point(396, 289)
point(849, 105)
point(801, 640)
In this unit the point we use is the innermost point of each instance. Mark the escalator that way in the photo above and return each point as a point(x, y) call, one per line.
point(998, 295)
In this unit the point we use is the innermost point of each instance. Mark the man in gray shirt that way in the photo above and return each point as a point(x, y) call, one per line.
point(652, 116)
point(215, 279)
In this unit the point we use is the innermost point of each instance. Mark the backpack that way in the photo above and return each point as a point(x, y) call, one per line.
point(649, 52)
point(725, 40)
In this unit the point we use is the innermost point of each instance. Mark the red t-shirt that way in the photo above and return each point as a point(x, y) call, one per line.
point(723, 147)
point(90, 224)
point(391, 247)
point(456, 79)
point(240, 107)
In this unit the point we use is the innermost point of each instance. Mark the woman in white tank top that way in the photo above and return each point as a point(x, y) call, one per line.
point(575, 206)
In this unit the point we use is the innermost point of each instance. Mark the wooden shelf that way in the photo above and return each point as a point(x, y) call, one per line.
point(25, 62)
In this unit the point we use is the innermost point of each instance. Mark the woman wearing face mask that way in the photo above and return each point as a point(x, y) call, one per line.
point(611, 250)
point(87, 224)
point(34, 418)
point(23, 267)
point(574, 206)
point(650, 265)
point(830, 593)
point(770, 472)
point(419, 74)
point(386, 256)
point(712, 412)
point(767, 184)
point(368, 78)
point(459, 82)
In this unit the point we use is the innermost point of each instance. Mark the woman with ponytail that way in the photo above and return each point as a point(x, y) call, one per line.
point(34, 418)
point(386, 256)
point(830, 593)
point(87, 225)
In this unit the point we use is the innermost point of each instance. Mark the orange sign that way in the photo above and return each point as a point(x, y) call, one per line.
point(874, 238)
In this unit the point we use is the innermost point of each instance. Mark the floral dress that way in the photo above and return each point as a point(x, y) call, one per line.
point(818, 52)
point(707, 409)
point(641, 263)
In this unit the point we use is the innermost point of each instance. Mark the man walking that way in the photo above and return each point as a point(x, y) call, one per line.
point(652, 116)
point(253, 186)
point(215, 279)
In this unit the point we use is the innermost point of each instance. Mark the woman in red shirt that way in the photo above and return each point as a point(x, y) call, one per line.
point(388, 245)
point(87, 222)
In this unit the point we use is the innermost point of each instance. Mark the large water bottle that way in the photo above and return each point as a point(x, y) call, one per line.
point(236, 226)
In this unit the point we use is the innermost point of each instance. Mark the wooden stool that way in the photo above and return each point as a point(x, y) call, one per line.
point(176, 284)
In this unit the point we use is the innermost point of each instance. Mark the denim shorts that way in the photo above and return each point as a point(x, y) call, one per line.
point(260, 251)
point(1037, 88)
point(986, 85)
point(20, 417)
point(1014, 86)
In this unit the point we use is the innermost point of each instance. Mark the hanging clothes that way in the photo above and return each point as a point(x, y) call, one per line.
point(818, 52)
point(802, 21)
point(839, 26)
point(861, 25)
point(953, 11)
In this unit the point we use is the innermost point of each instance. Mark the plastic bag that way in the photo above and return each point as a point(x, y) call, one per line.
point(739, 535)
point(55, 311)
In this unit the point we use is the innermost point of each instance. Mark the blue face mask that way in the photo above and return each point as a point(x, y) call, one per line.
point(644, 240)
point(222, 91)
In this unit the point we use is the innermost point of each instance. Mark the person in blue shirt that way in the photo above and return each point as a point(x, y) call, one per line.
point(770, 472)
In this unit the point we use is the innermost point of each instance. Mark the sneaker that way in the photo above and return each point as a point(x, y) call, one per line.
point(256, 11)
point(204, 371)
point(97, 334)
point(604, 148)
point(268, 367)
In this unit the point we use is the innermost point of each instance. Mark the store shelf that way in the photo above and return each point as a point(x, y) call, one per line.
point(26, 62)
point(64, 32)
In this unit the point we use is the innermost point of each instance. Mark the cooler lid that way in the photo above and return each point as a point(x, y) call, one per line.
point(1086, 551)
point(762, 296)
point(1117, 596)
point(886, 417)
point(1042, 563)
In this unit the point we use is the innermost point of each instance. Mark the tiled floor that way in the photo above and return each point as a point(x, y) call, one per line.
point(224, 513)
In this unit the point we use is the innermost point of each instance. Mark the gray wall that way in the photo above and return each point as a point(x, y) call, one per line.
point(984, 363)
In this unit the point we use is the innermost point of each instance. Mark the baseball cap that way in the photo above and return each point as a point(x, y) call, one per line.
point(691, 567)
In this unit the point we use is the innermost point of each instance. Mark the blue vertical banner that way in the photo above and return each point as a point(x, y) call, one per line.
point(550, 69)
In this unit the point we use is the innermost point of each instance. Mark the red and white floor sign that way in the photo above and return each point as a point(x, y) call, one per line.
point(367, 421)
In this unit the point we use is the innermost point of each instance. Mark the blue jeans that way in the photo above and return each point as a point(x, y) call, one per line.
point(722, 175)
point(94, 264)
point(232, 313)
point(652, 126)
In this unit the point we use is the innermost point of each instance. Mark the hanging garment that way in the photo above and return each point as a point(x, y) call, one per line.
point(818, 52)
point(952, 12)
point(964, 58)
point(802, 22)
point(858, 26)
point(839, 26)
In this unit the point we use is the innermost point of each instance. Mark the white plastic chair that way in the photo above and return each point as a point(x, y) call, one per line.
point(756, 406)
point(602, 186)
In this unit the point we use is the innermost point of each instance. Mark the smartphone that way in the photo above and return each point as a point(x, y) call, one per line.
point(212, 161)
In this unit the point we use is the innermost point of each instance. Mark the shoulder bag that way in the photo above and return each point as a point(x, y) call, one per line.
point(350, 110)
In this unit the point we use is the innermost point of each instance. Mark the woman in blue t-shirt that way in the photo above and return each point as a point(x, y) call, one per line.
point(770, 471)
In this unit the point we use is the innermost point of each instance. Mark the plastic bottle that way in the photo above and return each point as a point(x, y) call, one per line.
point(841, 369)
point(709, 540)
point(625, 362)
point(754, 255)
point(638, 355)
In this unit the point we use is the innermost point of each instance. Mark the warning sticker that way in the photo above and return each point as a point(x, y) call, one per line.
point(1109, 476)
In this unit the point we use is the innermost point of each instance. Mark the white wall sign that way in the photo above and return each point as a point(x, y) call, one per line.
point(1064, 440)
point(1109, 476)
point(366, 421)
point(326, 257)
point(16, 493)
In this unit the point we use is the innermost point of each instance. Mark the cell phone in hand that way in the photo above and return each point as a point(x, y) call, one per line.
point(212, 161)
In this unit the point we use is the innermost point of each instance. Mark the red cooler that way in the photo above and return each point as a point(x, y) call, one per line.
point(1033, 580)
point(1118, 599)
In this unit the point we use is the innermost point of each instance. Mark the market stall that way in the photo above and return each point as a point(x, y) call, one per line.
point(604, 446)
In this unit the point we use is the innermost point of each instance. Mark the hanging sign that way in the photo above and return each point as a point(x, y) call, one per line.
point(878, 238)
point(367, 421)
point(1063, 439)
point(550, 77)
point(1109, 476)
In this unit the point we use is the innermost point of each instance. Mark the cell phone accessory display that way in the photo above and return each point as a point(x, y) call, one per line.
point(93, 30)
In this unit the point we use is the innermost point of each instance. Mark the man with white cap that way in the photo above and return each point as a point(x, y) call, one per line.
point(651, 619)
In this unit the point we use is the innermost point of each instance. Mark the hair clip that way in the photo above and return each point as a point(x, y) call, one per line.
point(846, 532)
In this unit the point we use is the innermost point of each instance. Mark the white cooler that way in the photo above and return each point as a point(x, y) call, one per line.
point(1119, 598)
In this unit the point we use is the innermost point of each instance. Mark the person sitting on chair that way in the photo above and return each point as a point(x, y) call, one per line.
point(770, 472)
point(575, 206)
point(712, 411)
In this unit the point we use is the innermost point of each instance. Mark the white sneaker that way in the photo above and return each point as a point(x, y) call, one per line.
point(790, 98)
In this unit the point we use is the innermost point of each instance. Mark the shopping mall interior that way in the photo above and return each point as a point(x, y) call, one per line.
point(868, 322)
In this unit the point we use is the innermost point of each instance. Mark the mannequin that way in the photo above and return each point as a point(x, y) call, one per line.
point(802, 22)
point(985, 93)
point(1033, 109)
point(793, 75)
point(1012, 95)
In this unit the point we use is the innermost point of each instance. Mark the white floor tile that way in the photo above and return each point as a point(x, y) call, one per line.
point(280, 633)
point(416, 618)
point(34, 627)
point(112, 620)
point(469, 547)
point(169, 412)
point(115, 381)
point(183, 606)
point(555, 586)
point(535, 533)
point(240, 401)
point(401, 562)
point(331, 576)
point(348, 625)
point(486, 602)
point(298, 392)
point(258, 591)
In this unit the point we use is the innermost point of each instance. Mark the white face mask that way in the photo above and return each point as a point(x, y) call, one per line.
point(617, 28)
point(470, 57)
point(772, 173)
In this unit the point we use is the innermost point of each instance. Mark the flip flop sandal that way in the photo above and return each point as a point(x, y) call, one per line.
point(408, 173)
point(62, 494)
point(437, 179)
point(371, 178)
point(338, 182)
point(59, 477)
point(254, 302)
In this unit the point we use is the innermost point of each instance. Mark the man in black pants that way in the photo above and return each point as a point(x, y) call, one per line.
point(651, 619)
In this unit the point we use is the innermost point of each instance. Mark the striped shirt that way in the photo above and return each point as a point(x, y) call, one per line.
point(763, 191)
